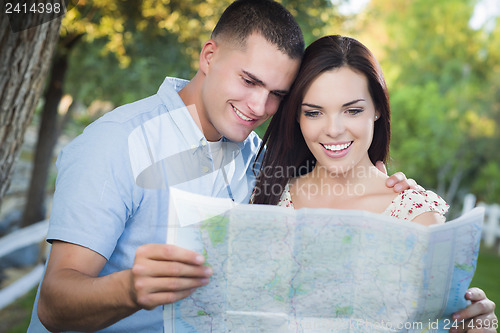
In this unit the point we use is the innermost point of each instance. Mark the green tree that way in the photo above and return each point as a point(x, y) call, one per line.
point(165, 38)
point(440, 73)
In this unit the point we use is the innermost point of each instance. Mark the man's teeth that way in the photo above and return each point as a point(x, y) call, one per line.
point(337, 147)
point(241, 115)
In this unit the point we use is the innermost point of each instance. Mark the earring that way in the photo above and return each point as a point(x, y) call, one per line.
point(376, 117)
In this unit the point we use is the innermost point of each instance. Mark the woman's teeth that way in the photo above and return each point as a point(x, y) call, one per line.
point(337, 147)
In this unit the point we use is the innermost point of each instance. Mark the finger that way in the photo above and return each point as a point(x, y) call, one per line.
point(151, 292)
point(158, 285)
point(459, 327)
point(485, 323)
point(151, 301)
point(398, 182)
point(403, 183)
point(418, 187)
point(489, 329)
point(381, 166)
point(477, 308)
point(158, 268)
point(169, 253)
point(395, 178)
point(474, 294)
point(413, 184)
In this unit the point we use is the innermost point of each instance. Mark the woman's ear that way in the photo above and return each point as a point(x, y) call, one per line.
point(377, 115)
point(206, 55)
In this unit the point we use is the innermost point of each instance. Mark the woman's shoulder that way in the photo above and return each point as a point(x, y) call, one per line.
point(412, 203)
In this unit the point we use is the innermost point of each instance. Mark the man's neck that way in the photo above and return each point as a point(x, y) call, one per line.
point(191, 96)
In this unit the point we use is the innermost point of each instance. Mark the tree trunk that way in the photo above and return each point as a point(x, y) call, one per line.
point(24, 61)
point(48, 133)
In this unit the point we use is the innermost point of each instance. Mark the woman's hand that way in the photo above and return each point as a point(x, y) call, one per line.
point(398, 180)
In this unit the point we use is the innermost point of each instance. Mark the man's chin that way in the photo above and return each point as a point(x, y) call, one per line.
point(237, 137)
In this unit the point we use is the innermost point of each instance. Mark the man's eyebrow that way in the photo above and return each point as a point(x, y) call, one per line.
point(261, 83)
point(353, 102)
point(254, 78)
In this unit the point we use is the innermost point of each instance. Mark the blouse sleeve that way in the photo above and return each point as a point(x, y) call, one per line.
point(411, 203)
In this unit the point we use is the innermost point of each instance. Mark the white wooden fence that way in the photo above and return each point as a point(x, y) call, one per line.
point(491, 227)
point(17, 240)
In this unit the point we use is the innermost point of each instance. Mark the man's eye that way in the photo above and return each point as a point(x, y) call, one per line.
point(279, 95)
point(248, 82)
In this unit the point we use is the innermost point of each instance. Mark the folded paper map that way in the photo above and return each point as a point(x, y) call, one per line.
point(319, 270)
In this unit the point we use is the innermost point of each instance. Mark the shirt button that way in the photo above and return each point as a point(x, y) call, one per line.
point(203, 143)
point(193, 146)
point(205, 169)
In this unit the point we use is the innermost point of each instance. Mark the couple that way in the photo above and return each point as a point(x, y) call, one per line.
point(109, 263)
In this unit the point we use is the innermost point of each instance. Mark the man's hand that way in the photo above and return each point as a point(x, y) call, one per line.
point(479, 316)
point(74, 297)
point(398, 180)
point(164, 274)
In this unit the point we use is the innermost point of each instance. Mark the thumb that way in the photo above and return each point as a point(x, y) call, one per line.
point(381, 166)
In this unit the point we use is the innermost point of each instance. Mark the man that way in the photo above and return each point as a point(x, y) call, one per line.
point(109, 263)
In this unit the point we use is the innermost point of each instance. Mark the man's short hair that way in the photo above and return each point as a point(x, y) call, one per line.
point(265, 17)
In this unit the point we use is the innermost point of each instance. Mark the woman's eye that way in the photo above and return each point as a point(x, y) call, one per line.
point(354, 111)
point(311, 114)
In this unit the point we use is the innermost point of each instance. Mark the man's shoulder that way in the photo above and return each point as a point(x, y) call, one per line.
point(140, 111)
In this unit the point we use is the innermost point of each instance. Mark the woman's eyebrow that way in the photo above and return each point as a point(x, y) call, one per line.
point(312, 105)
point(353, 102)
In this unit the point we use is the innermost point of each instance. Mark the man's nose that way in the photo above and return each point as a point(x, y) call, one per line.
point(258, 101)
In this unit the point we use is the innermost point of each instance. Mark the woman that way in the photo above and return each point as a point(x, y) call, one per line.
point(323, 143)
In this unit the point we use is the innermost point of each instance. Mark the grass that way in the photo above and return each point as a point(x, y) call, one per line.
point(487, 274)
point(16, 317)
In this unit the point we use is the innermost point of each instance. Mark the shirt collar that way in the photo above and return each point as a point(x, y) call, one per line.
point(169, 94)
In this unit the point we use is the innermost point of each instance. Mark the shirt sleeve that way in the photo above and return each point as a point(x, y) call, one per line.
point(94, 187)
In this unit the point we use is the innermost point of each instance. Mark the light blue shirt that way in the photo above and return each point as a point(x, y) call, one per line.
point(112, 187)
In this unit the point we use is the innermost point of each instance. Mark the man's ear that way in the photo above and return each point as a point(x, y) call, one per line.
point(206, 55)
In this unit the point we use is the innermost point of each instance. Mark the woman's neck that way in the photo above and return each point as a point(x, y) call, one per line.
point(364, 174)
point(353, 189)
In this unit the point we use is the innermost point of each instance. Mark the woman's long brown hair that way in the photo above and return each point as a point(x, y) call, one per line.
point(286, 154)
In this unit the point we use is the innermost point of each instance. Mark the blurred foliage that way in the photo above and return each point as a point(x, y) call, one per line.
point(128, 47)
point(443, 77)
